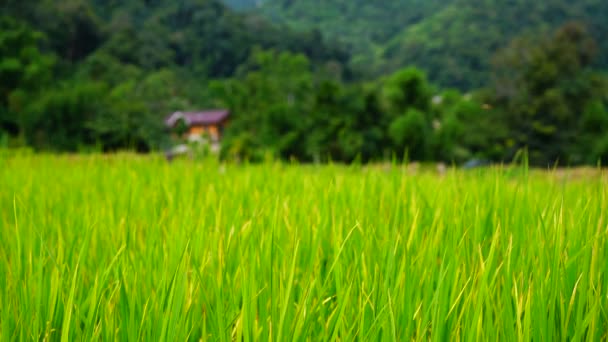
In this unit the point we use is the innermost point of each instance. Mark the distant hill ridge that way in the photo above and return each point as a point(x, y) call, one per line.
point(453, 40)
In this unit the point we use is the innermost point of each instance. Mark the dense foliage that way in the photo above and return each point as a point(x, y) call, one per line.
point(127, 248)
point(452, 40)
point(550, 99)
point(545, 96)
point(107, 71)
point(82, 75)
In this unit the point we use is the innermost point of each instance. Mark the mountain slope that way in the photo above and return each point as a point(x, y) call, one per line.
point(199, 34)
point(360, 23)
point(453, 40)
point(456, 44)
point(244, 4)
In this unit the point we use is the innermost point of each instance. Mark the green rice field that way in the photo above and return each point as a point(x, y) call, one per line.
point(133, 248)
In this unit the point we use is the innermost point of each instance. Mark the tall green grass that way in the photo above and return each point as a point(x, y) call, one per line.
point(133, 248)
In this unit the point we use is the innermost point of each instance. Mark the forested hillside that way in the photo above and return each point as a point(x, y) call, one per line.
point(349, 81)
point(77, 73)
point(453, 40)
point(244, 4)
point(158, 33)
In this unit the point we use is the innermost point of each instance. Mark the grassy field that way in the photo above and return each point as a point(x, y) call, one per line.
point(133, 248)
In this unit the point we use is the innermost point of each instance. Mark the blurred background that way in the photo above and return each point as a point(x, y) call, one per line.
point(309, 80)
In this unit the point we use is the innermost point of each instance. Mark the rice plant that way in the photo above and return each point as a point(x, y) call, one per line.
point(134, 248)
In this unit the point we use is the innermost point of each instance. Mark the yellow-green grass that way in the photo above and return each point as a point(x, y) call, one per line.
point(133, 248)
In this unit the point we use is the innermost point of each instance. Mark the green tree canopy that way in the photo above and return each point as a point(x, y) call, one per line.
point(543, 88)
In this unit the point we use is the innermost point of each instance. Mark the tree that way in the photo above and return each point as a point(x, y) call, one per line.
point(541, 86)
point(464, 128)
point(269, 101)
point(407, 101)
point(23, 70)
point(59, 119)
point(73, 28)
point(594, 125)
point(407, 88)
point(409, 133)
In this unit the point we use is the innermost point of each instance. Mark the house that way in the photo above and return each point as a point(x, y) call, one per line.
point(196, 126)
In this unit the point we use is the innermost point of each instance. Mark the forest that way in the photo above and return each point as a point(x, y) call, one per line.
point(309, 80)
point(453, 40)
